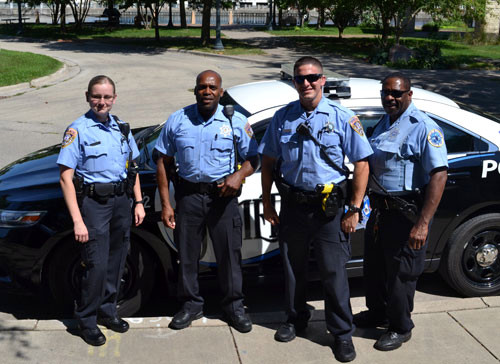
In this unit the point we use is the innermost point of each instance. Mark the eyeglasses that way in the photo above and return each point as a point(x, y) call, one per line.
point(105, 97)
point(394, 93)
point(313, 77)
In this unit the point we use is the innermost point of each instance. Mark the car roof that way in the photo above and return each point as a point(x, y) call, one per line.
point(258, 96)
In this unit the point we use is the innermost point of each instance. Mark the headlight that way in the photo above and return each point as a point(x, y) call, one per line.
point(10, 218)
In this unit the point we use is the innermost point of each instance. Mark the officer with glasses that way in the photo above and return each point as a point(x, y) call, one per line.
point(303, 152)
point(408, 174)
point(96, 152)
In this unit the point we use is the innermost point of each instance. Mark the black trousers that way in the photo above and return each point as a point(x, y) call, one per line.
point(195, 213)
point(301, 226)
point(103, 257)
point(391, 268)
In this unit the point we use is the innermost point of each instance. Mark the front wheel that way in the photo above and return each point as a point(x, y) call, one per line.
point(65, 269)
point(470, 263)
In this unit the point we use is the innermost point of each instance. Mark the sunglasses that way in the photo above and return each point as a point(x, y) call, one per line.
point(313, 77)
point(394, 93)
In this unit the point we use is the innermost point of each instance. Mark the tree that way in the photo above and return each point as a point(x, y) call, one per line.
point(80, 9)
point(182, 9)
point(343, 13)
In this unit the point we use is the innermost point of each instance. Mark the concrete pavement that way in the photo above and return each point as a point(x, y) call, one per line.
point(151, 83)
point(448, 330)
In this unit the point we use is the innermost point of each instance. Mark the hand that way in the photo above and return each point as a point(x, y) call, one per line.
point(349, 222)
point(270, 214)
point(81, 232)
point(418, 235)
point(168, 217)
point(231, 185)
point(139, 214)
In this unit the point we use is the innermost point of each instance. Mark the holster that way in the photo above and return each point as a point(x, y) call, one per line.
point(408, 205)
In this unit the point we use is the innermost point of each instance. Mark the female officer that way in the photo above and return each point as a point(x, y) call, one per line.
point(95, 153)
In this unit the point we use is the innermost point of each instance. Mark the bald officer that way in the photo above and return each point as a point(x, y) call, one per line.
point(409, 170)
point(207, 143)
point(302, 168)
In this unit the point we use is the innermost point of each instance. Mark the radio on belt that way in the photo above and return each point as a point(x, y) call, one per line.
point(336, 86)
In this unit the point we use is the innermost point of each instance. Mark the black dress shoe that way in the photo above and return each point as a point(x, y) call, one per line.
point(240, 322)
point(183, 319)
point(366, 319)
point(344, 350)
point(115, 323)
point(285, 332)
point(391, 340)
point(93, 337)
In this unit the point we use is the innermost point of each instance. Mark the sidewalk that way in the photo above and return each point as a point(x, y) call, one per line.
point(453, 330)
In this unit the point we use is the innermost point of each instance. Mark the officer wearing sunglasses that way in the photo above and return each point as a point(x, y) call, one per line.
point(302, 168)
point(409, 162)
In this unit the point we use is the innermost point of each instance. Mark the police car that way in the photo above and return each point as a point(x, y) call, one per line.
point(36, 238)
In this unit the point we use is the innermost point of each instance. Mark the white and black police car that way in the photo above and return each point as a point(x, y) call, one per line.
point(37, 250)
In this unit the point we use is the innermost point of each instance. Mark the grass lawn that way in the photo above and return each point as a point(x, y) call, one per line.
point(178, 38)
point(326, 30)
point(20, 67)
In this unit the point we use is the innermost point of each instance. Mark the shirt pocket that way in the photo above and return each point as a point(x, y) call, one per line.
point(95, 158)
point(289, 147)
point(185, 149)
point(331, 142)
point(222, 149)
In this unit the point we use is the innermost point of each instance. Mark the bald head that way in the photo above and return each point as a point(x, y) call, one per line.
point(208, 92)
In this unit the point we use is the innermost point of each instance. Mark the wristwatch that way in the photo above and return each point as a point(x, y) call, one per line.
point(139, 202)
point(354, 208)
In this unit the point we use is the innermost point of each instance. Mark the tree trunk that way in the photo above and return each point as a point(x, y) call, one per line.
point(386, 29)
point(63, 17)
point(183, 14)
point(321, 18)
point(205, 23)
point(170, 22)
point(156, 17)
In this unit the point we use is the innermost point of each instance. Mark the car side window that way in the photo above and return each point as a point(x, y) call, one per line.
point(458, 141)
point(259, 129)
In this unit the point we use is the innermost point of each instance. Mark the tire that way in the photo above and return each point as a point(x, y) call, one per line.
point(137, 282)
point(471, 261)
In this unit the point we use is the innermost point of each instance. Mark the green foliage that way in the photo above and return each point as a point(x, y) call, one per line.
point(18, 67)
point(430, 27)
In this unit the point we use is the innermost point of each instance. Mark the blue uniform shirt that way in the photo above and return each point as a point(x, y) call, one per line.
point(205, 149)
point(97, 152)
point(302, 166)
point(406, 151)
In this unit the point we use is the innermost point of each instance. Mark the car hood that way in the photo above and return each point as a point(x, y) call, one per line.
point(36, 169)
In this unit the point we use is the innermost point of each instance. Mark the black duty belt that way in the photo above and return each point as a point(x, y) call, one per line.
point(298, 196)
point(205, 188)
point(105, 190)
point(383, 202)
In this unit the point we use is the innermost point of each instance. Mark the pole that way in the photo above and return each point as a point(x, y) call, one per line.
point(270, 24)
point(218, 42)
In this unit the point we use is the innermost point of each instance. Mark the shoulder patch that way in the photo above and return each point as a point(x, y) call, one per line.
point(435, 138)
point(356, 125)
point(69, 137)
point(248, 130)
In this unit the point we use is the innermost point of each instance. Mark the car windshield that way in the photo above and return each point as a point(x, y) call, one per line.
point(226, 99)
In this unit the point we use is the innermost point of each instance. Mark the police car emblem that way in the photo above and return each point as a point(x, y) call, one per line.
point(435, 138)
point(356, 125)
point(328, 128)
point(69, 136)
point(248, 130)
point(225, 130)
